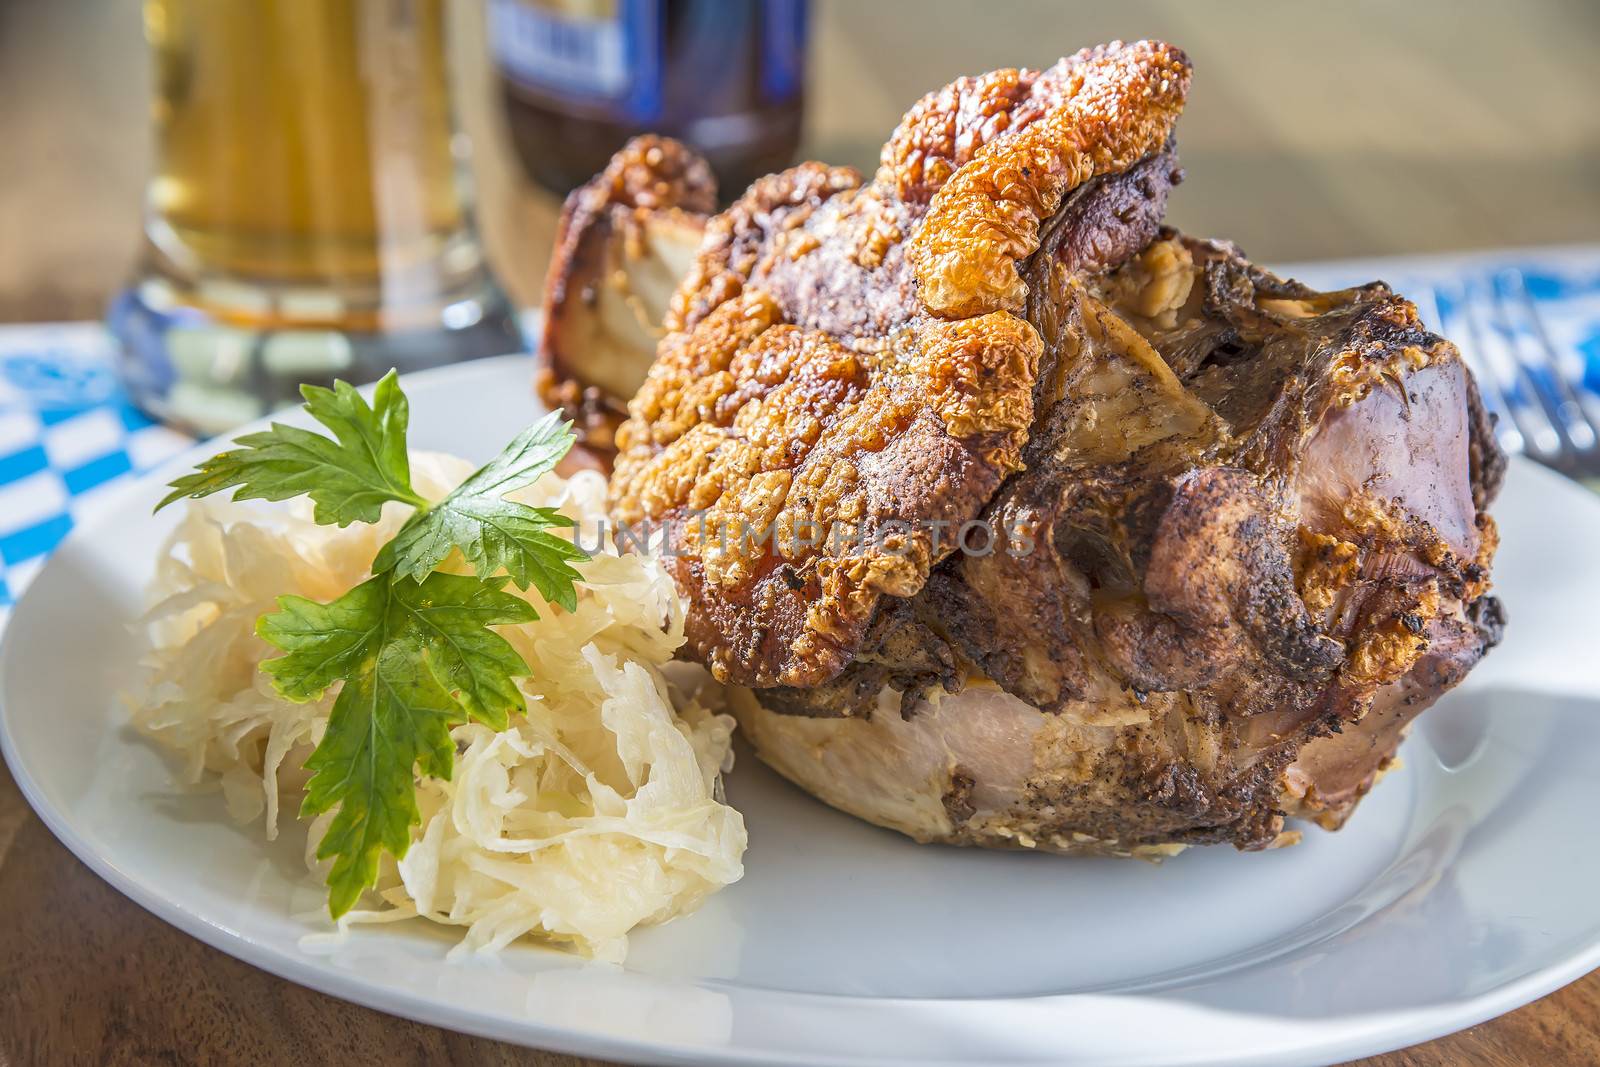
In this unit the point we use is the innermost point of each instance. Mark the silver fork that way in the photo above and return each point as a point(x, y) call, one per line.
point(1534, 388)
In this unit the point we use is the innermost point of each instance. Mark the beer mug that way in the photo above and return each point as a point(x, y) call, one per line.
point(309, 216)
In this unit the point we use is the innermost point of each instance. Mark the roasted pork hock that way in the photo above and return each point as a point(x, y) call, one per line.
point(1026, 521)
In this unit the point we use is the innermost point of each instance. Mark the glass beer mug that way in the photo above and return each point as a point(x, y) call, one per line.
point(309, 216)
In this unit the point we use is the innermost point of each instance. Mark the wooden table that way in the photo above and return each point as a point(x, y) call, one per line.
point(1316, 130)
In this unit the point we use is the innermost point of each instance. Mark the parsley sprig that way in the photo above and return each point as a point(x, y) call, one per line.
point(411, 648)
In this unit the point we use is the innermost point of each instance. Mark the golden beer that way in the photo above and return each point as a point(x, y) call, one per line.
point(308, 207)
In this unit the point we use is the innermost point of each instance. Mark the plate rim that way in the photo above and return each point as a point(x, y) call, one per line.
point(1335, 1038)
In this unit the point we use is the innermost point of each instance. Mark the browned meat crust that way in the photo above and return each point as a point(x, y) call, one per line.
point(1117, 104)
point(848, 357)
point(1256, 554)
point(624, 240)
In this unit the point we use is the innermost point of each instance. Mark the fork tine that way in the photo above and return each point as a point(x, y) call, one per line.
point(1539, 437)
point(1568, 366)
point(1541, 364)
point(1543, 440)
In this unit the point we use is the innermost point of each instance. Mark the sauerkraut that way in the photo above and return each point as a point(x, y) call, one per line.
point(598, 811)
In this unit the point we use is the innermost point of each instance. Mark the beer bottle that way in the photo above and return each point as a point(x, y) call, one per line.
point(579, 77)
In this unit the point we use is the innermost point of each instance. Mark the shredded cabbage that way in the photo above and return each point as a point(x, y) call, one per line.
point(599, 811)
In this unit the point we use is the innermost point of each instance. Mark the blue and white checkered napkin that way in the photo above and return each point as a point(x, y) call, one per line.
point(68, 438)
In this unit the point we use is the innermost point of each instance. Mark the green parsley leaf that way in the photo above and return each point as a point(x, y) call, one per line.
point(416, 658)
point(495, 533)
point(349, 477)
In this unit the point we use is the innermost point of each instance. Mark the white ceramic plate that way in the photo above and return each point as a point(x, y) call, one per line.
point(1464, 887)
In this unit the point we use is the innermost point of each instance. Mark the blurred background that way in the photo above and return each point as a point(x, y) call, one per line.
point(1313, 129)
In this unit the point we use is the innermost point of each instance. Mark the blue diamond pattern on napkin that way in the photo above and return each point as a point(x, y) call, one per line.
point(69, 438)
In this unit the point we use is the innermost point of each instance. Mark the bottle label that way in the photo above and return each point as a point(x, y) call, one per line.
point(783, 49)
point(606, 53)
